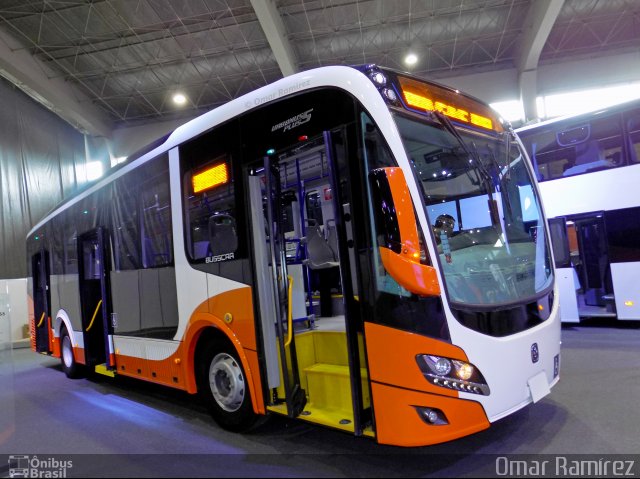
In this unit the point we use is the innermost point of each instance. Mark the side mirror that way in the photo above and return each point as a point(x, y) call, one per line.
point(397, 230)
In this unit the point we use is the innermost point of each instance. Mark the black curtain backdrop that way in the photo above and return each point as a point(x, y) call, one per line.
point(41, 163)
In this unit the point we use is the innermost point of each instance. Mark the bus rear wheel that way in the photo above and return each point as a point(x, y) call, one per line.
point(224, 389)
point(69, 365)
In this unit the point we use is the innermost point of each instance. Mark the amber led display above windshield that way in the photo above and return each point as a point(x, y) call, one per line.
point(427, 97)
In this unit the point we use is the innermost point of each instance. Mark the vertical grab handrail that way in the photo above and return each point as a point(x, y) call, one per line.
point(289, 312)
point(95, 313)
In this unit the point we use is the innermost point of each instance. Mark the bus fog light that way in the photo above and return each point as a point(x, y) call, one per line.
point(463, 370)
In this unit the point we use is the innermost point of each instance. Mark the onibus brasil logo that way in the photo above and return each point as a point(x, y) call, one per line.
point(32, 466)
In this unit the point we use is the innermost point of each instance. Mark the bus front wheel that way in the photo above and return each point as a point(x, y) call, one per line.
point(69, 365)
point(224, 389)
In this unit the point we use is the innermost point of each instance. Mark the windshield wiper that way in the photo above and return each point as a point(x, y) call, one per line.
point(480, 167)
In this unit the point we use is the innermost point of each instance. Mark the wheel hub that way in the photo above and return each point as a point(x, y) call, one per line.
point(227, 382)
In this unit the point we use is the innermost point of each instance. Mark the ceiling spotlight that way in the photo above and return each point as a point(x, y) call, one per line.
point(411, 59)
point(179, 99)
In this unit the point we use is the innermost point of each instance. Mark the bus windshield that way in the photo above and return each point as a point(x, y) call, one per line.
point(484, 213)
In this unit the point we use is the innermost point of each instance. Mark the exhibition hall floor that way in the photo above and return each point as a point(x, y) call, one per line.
point(593, 410)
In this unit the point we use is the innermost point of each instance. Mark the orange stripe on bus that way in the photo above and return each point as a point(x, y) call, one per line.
point(404, 213)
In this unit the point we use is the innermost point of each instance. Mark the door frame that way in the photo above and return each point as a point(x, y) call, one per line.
point(41, 274)
point(101, 313)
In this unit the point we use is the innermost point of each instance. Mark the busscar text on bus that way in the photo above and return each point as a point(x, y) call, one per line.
point(353, 247)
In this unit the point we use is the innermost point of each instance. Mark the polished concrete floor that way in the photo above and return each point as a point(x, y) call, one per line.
point(124, 427)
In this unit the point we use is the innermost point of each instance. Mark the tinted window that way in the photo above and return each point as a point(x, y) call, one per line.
point(140, 224)
point(559, 242)
point(209, 190)
point(623, 231)
point(125, 227)
point(577, 147)
point(632, 122)
point(155, 204)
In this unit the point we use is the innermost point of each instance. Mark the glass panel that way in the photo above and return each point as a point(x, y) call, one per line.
point(391, 304)
point(157, 247)
point(125, 225)
point(575, 147)
point(623, 231)
point(211, 215)
point(560, 242)
point(632, 120)
point(496, 252)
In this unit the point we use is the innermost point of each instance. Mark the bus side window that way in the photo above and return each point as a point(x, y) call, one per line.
point(157, 247)
point(633, 130)
point(602, 149)
point(210, 209)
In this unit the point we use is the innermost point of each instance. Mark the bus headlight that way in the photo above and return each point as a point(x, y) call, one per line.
point(452, 374)
point(442, 366)
point(463, 370)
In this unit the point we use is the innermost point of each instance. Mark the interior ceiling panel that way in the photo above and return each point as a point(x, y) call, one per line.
point(129, 56)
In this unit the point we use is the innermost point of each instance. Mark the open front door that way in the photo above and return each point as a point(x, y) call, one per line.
point(273, 284)
point(41, 300)
point(94, 298)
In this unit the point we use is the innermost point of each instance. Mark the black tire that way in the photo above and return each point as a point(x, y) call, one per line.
point(223, 387)
point(70, 367)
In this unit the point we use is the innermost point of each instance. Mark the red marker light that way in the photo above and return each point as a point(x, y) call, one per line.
point(303, 138)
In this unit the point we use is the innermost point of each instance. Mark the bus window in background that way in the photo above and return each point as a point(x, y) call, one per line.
point(580, 147)
point(632, 122)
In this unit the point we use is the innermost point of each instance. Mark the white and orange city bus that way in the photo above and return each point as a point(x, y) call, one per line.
point(346, 246)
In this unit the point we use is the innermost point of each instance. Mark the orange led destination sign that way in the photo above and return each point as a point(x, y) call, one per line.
point(429, 97)
point(214, 176)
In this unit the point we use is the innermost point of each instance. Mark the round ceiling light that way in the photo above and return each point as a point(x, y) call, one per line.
point(411, 59)
point(179, 99)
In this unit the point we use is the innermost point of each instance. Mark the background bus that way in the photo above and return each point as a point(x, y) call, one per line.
point(589, 167)
point(189, 265)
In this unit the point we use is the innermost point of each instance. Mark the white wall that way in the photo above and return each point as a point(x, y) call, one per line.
point(16, 307)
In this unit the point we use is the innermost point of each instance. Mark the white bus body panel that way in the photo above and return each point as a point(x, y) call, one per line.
point(599, 191)
point(566, 280)
point(625, 278)
point(145, 348)
point(506, 363)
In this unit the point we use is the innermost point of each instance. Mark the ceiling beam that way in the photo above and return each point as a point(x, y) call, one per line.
point(276, 33)
point(540, 19)
point(25, 71)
